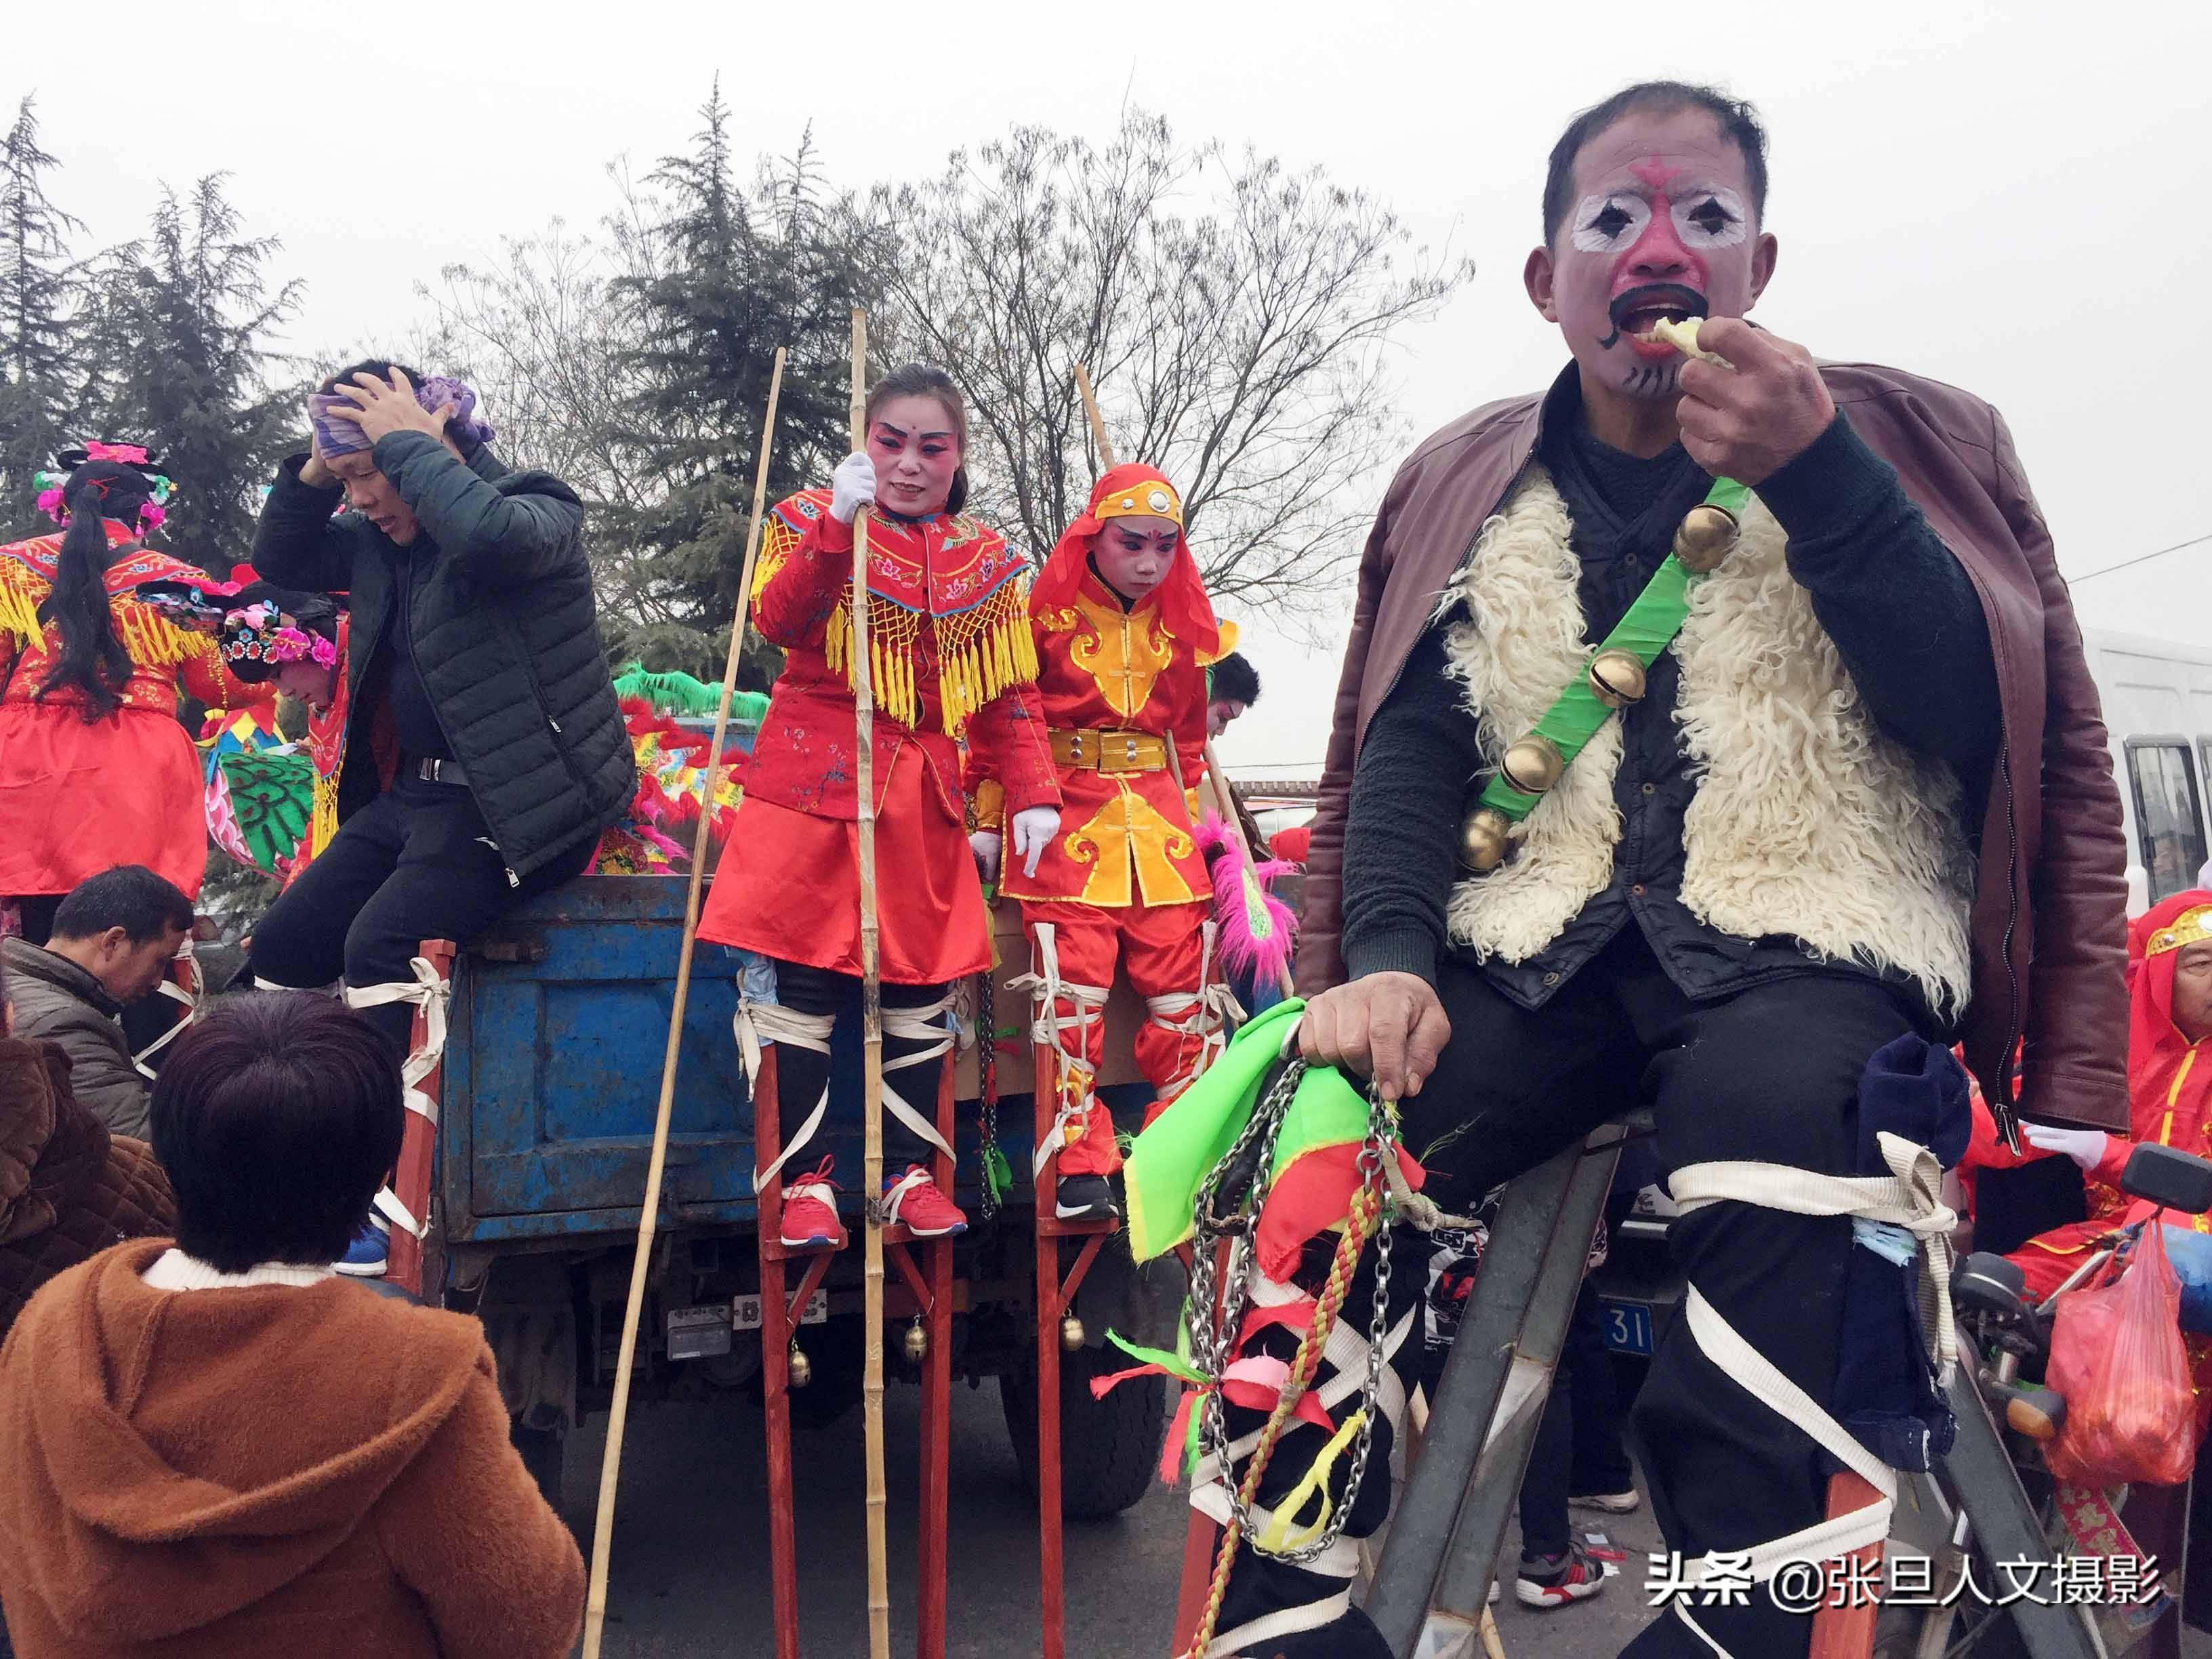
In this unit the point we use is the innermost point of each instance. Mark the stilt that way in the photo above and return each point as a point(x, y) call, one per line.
point(780, 1314)
point(416, 1174)
point(1055, 1294)
point(925, 1267)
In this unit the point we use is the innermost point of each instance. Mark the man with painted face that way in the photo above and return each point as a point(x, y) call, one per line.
point(1862, 795)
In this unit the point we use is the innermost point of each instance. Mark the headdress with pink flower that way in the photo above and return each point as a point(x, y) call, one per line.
point(261, 633)
point(53, 484)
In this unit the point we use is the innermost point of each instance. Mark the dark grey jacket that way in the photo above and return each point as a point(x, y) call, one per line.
point(60, 1003)
point(505, 632)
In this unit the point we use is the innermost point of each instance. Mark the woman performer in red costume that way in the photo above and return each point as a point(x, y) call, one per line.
point(951, 658)
point(94, 770)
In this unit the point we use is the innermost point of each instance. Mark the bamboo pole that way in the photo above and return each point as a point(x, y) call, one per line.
point(1097, 421)
point(603, 1526)
point(1224, 801)
point(871, 1041)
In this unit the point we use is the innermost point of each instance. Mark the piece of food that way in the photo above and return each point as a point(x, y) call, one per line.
point(1683, 336)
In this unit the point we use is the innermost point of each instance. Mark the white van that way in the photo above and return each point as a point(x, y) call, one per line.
point(2157, 696)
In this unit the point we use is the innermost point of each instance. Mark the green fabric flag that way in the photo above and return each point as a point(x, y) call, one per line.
point(1173, 1157)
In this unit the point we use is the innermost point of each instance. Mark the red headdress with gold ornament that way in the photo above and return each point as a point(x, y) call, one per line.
point(2166, 1072)
point(1133, 490)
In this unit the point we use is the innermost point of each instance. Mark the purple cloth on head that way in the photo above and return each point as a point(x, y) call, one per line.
point(336, 435)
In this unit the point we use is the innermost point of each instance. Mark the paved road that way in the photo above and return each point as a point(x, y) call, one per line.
point(690, 1573)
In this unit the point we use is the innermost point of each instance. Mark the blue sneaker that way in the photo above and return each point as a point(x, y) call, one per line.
point(370, 1253)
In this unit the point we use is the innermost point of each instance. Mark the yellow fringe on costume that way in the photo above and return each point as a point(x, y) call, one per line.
point(151, 639)
point(19, 593)
point(982, 654)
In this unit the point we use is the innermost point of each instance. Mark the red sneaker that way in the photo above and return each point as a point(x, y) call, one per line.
point(915, 1200)
point(1554, 1581)
point(810, 1213)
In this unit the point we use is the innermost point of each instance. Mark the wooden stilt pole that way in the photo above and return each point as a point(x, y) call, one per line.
point(871, 1041)
point(595, 1602)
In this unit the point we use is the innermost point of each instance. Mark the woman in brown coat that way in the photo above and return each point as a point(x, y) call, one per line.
point(221, 1449)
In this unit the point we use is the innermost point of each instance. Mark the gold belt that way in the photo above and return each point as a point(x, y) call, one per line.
point(1109, 751)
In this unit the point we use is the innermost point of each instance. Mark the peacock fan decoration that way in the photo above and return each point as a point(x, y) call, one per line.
point(1258, 932)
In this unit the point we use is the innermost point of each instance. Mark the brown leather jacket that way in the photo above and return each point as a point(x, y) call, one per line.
point(2049, 922)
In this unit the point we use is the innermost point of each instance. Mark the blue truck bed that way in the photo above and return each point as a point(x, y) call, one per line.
point(559, 1022)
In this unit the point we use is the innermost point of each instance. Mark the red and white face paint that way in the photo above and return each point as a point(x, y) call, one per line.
point(1661, 226)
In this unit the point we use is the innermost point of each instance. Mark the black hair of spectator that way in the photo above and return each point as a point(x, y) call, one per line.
point(1235, 680)
point(1739, 123)
point(130, 896)
point(277, 1116)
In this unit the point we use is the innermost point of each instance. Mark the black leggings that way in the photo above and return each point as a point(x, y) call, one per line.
point(417, 862)
point(1770, 1073)
point(800, 1072)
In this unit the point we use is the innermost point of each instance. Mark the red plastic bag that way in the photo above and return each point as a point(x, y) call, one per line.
point(2117, 1359)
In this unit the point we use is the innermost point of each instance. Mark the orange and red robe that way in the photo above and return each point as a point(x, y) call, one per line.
point(950, 660)
point(1124, 880)
point(76, 799)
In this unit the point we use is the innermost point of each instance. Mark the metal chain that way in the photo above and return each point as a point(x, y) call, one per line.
point(987, 1059)
point(1214, 1335)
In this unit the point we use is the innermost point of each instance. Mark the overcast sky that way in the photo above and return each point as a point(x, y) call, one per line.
point(2011, 197)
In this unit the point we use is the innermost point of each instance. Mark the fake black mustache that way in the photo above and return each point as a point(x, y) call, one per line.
point(1691, 302)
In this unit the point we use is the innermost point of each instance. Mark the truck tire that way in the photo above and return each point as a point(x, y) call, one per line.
point(1109, 1449)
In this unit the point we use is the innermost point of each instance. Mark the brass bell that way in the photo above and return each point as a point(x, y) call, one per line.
point(1706, 537)
point(1071, 1332)
point(917, 1342)
point(800, 1369)
point(1484, 837)
point(1532, 764)
point(1617, 678)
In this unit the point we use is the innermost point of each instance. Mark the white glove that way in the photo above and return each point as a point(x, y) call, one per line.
point(851, 487)
point(984, 843)
point(2085, 1147)
point(1034, 828)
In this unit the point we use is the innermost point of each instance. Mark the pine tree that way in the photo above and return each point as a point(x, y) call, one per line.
point(39, 293)
point(181, 342)
point(728, 281)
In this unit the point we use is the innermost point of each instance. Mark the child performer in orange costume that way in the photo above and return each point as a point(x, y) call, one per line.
point(949, 645)
point(1124, 636)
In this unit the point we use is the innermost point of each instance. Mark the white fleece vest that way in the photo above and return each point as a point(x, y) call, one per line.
point(1807, 819)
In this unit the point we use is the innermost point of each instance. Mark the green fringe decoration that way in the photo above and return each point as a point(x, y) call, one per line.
point(678, 693)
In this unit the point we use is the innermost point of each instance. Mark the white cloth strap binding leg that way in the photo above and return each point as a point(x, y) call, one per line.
point(387, 1204)
point(426, 991)
point(916, 1025)
point(759, 1023)
point(1049, 1027)
point(191, 997)
point(1910, 1197)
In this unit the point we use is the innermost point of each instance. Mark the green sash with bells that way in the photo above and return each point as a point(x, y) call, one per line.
point(1534, 763)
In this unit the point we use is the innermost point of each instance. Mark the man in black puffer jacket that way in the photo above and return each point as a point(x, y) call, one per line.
point(484, 751)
